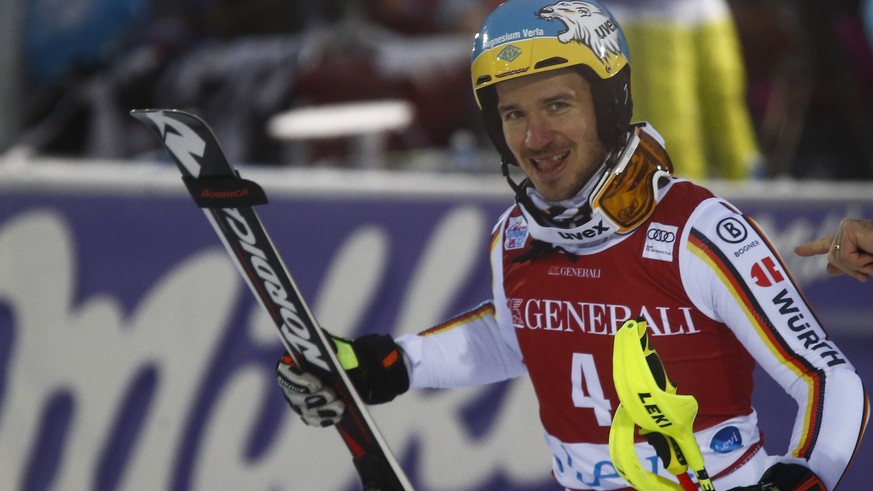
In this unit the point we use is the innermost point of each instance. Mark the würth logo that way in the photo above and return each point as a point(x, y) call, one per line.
point(765, 273)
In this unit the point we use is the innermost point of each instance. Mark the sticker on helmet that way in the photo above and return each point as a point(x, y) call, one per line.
point(587, 24)
point(509, 53)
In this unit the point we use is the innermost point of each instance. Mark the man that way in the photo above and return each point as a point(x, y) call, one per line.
point(601, 233)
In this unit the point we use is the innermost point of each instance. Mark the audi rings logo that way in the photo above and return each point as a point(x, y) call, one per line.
point(661, 235)
point(660, 238)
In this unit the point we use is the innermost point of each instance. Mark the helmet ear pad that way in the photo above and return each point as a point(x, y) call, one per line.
point(613, 104)
point(613, 107)
point(493, 123)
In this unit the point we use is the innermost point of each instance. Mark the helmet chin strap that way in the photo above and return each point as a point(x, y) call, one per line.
point(519, 189)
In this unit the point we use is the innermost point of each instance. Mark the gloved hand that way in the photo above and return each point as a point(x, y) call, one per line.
point(316, 404)
point(374, 364)
point(786, 477)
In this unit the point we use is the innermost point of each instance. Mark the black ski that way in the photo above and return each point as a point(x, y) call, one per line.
point(227, 201)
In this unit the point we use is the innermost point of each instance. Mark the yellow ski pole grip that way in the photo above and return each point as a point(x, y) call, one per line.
point(650, 401)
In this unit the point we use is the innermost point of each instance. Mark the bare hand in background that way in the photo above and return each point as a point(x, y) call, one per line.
point(850, 250)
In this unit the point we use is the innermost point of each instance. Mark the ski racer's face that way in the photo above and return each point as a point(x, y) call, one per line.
point(549, 124)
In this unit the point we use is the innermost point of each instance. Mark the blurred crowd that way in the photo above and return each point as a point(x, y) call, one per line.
point(740, 88)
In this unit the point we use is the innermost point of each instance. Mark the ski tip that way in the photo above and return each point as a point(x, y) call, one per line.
point(178, 114)
point(189, 140)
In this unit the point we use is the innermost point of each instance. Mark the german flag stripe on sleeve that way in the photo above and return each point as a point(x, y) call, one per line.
point(479, 312)
point(703, 248)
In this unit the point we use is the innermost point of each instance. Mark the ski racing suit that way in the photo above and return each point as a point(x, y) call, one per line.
point(718, 299)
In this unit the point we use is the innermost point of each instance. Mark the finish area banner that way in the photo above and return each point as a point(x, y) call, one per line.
point(134, 357)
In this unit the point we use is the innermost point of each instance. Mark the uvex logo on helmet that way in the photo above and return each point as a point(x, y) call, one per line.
point(586, 24)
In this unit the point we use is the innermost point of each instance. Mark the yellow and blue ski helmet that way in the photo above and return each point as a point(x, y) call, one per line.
point(522, 37)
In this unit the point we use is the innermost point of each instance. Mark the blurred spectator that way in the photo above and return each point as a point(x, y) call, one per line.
point(65, 36)
point(406, 17)
point(811, 86)
point(689, 81)
point(465, 15)
point(89, 62)
point(61, 36)
point(237, 63)
point(427, 17)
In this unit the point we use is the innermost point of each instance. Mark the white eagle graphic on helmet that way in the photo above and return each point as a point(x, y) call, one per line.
point(586, 24)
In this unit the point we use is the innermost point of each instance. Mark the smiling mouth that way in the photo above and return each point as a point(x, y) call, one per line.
point(549, 166)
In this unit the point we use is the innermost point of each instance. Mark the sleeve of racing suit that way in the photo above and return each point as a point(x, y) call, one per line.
point(474, 348)
point(464, 351)
point(733, 274)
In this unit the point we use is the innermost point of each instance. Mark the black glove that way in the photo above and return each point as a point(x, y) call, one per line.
point(786, 477)
point(375, 366)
